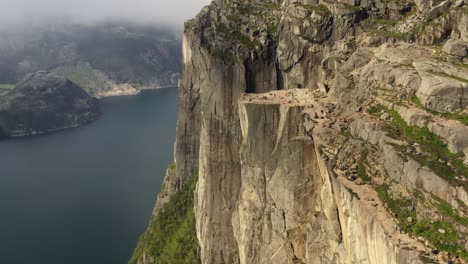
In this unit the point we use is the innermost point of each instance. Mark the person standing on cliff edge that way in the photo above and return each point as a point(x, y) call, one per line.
point(449, 259)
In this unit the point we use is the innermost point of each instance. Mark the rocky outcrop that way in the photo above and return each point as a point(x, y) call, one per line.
point(294, 115)
point(43, 102)
point(283, 193)
point(118, 90)
point(290, 191)
point(457, 50)
point(94, 82)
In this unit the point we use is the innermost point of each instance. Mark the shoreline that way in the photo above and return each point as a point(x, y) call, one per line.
point(136, 93)
point(48, 132)
point(58, 130)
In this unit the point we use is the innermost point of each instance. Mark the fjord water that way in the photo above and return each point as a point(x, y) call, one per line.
point(83, 196)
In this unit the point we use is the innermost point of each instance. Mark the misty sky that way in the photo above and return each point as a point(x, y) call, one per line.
point(173, 12)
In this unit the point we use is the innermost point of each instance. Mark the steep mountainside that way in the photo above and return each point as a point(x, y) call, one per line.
point(104, 58)
point(330, 131)
point(43, 102)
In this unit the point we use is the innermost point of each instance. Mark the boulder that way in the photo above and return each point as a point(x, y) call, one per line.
point(442, 93)
point(458, 48)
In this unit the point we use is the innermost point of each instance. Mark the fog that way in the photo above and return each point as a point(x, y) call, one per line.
point(165, 12)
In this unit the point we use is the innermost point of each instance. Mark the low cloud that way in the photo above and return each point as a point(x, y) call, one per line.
point(171, 12)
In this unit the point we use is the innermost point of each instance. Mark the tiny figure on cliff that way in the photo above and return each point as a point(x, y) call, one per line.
point(449, 259)
point(413, 205)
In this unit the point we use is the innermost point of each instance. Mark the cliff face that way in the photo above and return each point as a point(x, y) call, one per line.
point(294, 207)
point(325, 131)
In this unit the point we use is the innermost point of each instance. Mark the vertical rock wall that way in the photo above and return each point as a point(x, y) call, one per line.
point(280, 208)
point(265, 193)
point(292, 209)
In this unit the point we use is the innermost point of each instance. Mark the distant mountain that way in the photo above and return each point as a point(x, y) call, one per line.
point(44, 102)
point(107, 58)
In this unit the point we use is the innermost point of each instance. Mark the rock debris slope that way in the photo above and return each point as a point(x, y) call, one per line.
point(325, 131)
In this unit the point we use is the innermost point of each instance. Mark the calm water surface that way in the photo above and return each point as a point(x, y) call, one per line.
point(83, 196)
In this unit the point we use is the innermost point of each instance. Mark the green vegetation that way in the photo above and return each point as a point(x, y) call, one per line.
point(224, 55)
point(410, 35)
point(443, 74)
point(273, 27)
point(172, 166)
point(352, 7)
point(351, 44)
point(463, 118)
point(274, 6)
point(247, 9)
point(362, 173)
point(447, 210)
point(400, 207)
point(446, 242)
point(237, 36)
point(170, 171)
point(439, 155)
point(376, 110)
point(389, 34)
point(407, 218)
point(170, 237)
point(386, 22)
point(321, 9)
point(415, 99)
point(83, 75)
point(7, 86)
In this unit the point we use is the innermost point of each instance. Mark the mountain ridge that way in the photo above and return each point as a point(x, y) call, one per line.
point(100, 57)
point(44, 102)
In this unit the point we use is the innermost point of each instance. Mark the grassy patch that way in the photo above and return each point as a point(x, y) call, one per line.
point(401, 208)
point(321, 9)
point(446, 242)
point(7, 86)
point(430, 143)
point(447, 210)
point(376, 110)
point(82, 74)
point(415, 99)
point(237, 36)
point(387, 22)
point(170, 237)
point(410, 35)
point(443, 74)
point(389, 34)
point(273, 27)
point(362, 173)
point(463, 118)
point(172, 166)
point(224, 55)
